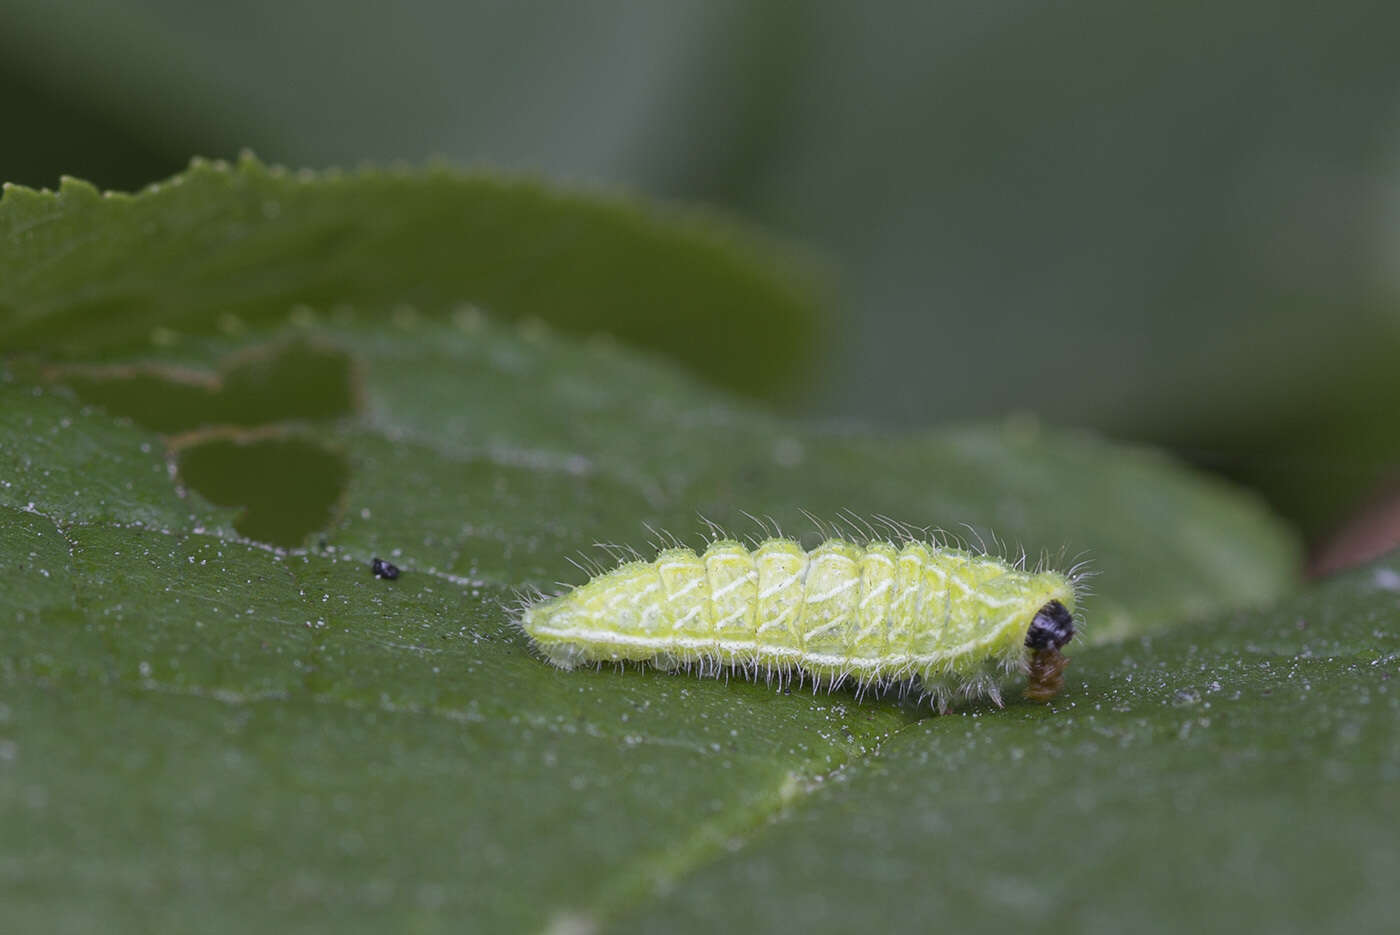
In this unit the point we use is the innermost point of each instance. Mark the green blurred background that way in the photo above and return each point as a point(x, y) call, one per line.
point(1174, 223)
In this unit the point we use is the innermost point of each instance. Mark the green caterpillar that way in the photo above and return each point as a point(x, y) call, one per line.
point(915, 616)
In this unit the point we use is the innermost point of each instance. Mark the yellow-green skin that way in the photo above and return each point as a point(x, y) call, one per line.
point(876, 613)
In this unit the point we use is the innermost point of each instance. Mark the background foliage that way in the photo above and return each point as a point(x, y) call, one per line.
point(1174, 223)
point(224, 395)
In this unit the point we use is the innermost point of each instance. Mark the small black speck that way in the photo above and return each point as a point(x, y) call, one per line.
point(383, 569)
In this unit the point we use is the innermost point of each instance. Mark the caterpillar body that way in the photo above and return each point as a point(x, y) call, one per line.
point(914, 616)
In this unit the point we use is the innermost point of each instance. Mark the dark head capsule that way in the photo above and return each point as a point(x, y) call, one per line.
point(1052, 627)
point(383, 569)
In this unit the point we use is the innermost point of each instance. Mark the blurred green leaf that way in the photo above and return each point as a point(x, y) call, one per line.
point(224, 248)
point(198, 730)
point(1166, 222)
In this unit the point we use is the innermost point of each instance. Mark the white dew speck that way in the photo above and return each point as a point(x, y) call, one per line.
point(1386, 579)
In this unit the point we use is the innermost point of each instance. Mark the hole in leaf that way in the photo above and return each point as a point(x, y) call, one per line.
point(288, 487)
point(300, 380)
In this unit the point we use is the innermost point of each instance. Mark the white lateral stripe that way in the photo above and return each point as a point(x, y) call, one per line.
point(904, 595)
point(778, 624)
point(737, 582)
point(884, 586)
point(824, 628)
point(778, 587)
point(621, 596)
point(672, 598)
point(839, 589)
point(720, 624)
point(738, 647)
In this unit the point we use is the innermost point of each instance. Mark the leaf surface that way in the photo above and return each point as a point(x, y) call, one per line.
point(1239, 775)
point(223, 247)
point(213, 716)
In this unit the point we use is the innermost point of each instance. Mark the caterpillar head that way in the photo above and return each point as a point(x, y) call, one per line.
point(1052, 627)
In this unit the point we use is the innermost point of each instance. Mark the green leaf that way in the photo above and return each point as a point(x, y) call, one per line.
point(1241, 775)
point(203, 730)
point(223, 248)
point(1137, 256)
